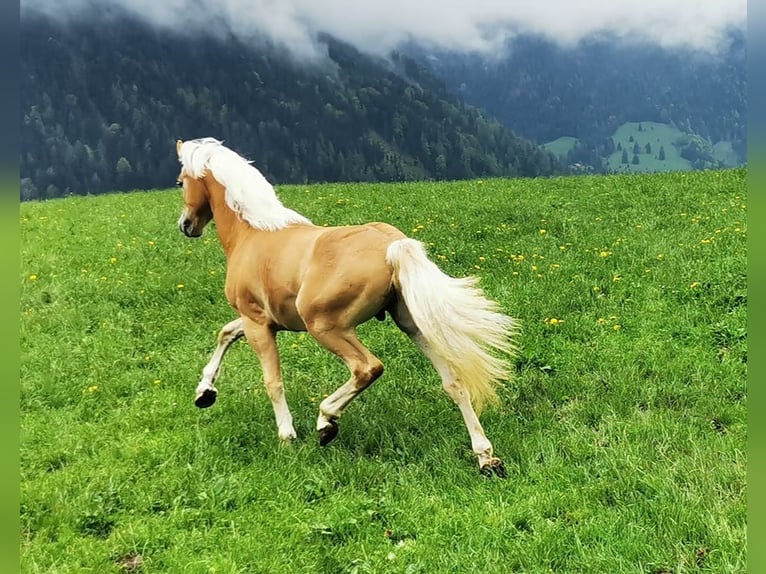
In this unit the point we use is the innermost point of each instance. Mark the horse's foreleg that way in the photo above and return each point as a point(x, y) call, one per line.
point(262, 339)
point(206, 393)
point(364, 366)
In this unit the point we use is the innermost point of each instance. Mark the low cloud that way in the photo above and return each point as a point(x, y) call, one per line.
point(456, 25)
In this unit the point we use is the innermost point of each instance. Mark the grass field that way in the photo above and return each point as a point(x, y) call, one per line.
point(623, 431)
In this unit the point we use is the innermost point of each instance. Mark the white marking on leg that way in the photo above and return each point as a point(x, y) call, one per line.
point(284, 418)
point(262, 339)
point(459, 394)
point(332, 406)
point(227, 335)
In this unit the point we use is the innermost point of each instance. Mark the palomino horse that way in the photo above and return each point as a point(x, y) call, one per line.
point(284, 273)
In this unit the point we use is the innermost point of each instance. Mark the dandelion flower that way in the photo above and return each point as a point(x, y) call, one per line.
point(180, 285)
point(33, 277)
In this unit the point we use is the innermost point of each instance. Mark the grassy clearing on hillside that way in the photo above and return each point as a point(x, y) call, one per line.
point(724, 152)
point(560, 147)
point(623, 431)
point(655, 134)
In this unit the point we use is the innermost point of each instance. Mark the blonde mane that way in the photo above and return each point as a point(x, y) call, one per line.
point(248, 193)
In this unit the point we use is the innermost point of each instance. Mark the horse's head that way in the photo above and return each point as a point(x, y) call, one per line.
point(197, 212)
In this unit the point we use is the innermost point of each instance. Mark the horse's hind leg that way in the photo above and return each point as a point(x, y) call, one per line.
point(480, 444)
point(206, 393)
point(262, 338)
point(364, 366)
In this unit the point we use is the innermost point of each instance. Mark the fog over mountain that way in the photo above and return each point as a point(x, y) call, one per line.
point(378, 27)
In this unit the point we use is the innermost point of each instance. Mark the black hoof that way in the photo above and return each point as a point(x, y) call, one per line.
point(206, 398)
point(326, 434)
point(495, 467)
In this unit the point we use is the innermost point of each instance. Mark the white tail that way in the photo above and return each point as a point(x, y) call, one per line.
point(456, 320)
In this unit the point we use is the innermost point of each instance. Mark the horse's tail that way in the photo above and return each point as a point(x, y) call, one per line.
point(457, 321)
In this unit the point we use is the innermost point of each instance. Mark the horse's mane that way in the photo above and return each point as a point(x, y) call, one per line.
point(248, 193)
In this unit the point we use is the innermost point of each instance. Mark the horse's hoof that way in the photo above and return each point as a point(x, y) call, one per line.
point(494, 467)
point(326, 434)
point(206, 398)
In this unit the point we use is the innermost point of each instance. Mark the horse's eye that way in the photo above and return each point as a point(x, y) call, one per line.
point(180, 183)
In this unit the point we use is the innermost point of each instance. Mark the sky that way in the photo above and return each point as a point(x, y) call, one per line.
point(483, 26)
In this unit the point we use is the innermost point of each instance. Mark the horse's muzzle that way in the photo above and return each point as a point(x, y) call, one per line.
point(186, 226)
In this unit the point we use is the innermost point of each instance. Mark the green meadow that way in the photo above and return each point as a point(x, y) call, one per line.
point(657, 136)
point(560, 146)
point(622, 431)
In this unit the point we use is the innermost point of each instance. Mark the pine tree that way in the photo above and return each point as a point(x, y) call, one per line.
point(635, 161)
point(661, 157)
point(624, 156)
point(648, 148)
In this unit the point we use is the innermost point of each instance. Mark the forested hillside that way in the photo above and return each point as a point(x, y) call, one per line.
point(103, 102)
point(544, 91)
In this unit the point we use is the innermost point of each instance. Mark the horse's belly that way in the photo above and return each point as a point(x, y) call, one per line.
point(286, 316)
point(276, 309)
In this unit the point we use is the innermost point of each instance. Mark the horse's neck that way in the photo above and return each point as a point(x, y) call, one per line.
point(230, 227)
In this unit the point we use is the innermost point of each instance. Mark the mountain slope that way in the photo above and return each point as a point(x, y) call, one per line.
point(544, 92)
point(103, 102)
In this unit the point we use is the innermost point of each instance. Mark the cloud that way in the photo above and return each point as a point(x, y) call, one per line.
point(458, 25)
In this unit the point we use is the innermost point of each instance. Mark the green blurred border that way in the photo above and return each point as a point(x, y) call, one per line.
point(756, 261)
point(9, 310)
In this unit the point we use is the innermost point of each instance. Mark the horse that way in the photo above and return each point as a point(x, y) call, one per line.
point(285, 273)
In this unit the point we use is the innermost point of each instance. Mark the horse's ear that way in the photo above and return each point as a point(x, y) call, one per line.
point(179, 143)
